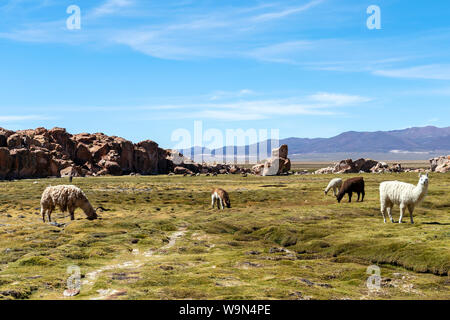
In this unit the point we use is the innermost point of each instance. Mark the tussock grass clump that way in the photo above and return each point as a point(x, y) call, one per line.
point(35, 261)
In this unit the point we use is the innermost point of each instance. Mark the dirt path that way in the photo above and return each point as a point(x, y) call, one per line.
point(139, 261)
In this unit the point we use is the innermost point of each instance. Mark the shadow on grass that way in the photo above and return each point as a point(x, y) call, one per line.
point(437, 223)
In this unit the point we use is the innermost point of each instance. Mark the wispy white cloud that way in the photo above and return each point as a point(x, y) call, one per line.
point(432, 71)
point(286, 12)
point(338, 99)
point(216, 33)
point(236, 32)
point(285, 52)
point(319, 104)
point(110, 7)
point(218, 95)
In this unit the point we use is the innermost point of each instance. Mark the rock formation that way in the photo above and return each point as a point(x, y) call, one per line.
point(440, 164)
point(360, 165)
point(43, 153)
point(279, 163)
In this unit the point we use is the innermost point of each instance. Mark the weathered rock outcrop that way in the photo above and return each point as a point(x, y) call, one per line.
point(42, 153)
point(279, 163)
point(440, 164)
point(360, 165)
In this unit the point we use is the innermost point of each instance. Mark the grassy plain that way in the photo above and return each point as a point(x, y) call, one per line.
point(282, 239)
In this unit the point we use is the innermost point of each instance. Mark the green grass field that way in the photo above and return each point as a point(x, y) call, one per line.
point(282, 239)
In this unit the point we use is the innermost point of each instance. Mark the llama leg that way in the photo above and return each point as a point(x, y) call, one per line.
point(389, 210)
point(411, 210)
point(363, 195)
point(402, 212)
point(43, 214)
point(334, 191)
point(383, 210)
point(218, 202)
point(213, 199)
point(221, 203)
point(358, 196)
point(350, 196)
point(49, 214)
point(72, 214)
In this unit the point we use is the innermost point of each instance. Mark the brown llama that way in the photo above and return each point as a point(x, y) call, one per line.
point(352, 185)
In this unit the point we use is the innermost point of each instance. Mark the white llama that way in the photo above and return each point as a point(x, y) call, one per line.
point(405, 195)
point(334, 184)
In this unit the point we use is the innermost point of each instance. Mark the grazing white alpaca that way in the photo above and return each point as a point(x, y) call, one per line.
point(335, 184)
point(405, 195)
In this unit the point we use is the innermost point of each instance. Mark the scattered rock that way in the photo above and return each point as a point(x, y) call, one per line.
point(279, 163)
point(440, 164)
point(71, 292)
point(276, 250)
point(360, 166)
point(308, 282)
point(56, 224)
point(324, 285)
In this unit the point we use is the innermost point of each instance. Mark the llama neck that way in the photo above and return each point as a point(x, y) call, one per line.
point(87, 208)
point(420, 191)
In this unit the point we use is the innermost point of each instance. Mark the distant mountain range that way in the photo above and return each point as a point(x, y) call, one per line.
point(411, 143)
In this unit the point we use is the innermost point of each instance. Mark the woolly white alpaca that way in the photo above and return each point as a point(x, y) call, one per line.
point(67, 198)
point(405, 195)
point(334, 184)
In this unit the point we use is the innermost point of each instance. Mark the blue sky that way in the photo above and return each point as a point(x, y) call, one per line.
point(142, 69)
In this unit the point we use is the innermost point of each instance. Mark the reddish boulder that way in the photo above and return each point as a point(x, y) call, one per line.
point(82, 154)
point(6, 162)
point(440, 164)
point(17, 141)
point(278, 164)
point(234, 170)
point(113, 168)
point(257, 169)
point(181, 170)
point(71, 172)
point(281, 152)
